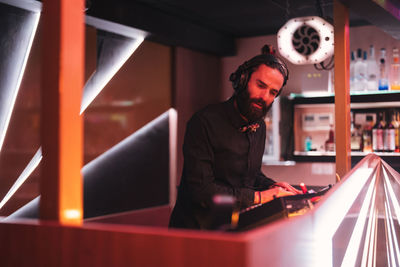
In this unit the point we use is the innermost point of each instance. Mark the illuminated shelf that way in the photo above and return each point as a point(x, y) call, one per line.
point(360, 102)
point(373, 97)
point(392, 158)
point(355, 93)
point(353, 153)
point(313, 153)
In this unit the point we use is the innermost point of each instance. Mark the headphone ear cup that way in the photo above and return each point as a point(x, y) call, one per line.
point(240, 77)
point(234, 79)
point(242, 81)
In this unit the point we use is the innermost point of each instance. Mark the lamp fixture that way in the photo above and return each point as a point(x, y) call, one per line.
point(306, 40)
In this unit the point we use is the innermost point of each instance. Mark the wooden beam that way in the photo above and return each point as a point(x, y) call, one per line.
point(342, 88)
point(61, 137)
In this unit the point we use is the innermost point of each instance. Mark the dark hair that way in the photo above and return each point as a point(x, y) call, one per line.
point(242, 75)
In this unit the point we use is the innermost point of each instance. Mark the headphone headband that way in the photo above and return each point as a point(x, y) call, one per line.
point(241, 76)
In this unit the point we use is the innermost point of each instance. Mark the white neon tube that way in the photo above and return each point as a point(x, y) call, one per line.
point(90, 94)
point(392, 196)
point(369, 240)
point(7, 116)
point(389, 220)
point(97, 82)
point(24, 175)
point(334, 209)
point(375, 240)
point(354, 243)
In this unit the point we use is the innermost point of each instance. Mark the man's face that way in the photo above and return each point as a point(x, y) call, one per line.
point(262, 88)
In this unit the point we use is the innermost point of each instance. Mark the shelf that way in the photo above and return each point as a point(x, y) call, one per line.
point(353, 153)
point(313, 153)
point(390, 157)
point(361, 102)
point(364, 97)
point(278, 163)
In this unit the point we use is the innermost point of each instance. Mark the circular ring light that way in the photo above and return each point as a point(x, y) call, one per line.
point(306, 40)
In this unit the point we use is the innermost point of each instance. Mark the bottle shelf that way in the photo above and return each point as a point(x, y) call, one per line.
point(364, 97)
point(353, 153)
point(311, 157)
point(362, 102)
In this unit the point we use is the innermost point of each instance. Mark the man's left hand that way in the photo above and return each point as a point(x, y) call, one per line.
point(287, 187)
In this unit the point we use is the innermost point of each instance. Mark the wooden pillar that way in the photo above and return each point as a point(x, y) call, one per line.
point(342, 88)
point(61, 124)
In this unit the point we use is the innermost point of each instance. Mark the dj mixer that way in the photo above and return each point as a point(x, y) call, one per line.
point(282, 207)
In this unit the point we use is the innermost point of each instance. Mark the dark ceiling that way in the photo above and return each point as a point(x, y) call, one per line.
point(212, 25)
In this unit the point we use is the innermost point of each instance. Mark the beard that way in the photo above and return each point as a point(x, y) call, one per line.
point(248, 110)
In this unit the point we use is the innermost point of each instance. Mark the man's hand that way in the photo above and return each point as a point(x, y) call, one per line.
point(287, 187)
point(270, 194)
point(280, 189)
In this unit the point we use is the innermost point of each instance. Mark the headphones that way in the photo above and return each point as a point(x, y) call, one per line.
point(242, 75)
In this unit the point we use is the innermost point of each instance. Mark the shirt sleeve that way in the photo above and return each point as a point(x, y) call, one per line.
point(262, 181)
point(198, 168)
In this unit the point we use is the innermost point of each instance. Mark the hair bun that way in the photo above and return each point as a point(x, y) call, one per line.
point(268, 50)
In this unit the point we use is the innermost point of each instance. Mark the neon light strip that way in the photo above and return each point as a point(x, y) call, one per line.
point(396, 206)
point(89, 97)
point(19, 79)
point(374, 244)
point(137, 37)
point(38, 155)
point(173, 136)
point(392, 195)
point(333, 210)
point(354, 243)
point(370, 237)
point(389, 243)
point(395, 241)
point(34, 6)
point(395, 244)
point(24, 175)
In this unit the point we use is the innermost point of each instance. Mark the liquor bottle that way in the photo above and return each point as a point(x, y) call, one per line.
point(384, 132)
point(367, 135)
point(352, 62)
point(390, 136)
point(395, 70)
point(396, 124)
point(356, 139)
point(377, 134)
point(352, 130)
point(360, 72)
point(330, 142)
point(307, 144)
point(383, 79)
point(372, 70)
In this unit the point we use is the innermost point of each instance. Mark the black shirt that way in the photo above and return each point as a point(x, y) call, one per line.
point(218, 159)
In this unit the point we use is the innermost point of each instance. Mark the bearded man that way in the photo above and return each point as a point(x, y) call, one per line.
point(224, 145)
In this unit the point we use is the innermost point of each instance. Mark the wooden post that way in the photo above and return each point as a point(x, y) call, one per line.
point(62, 131)
point(342, 88)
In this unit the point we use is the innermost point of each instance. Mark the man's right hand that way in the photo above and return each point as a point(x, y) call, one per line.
point(268, 195)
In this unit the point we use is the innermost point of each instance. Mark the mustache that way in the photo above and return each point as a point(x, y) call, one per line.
point(259, 102)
